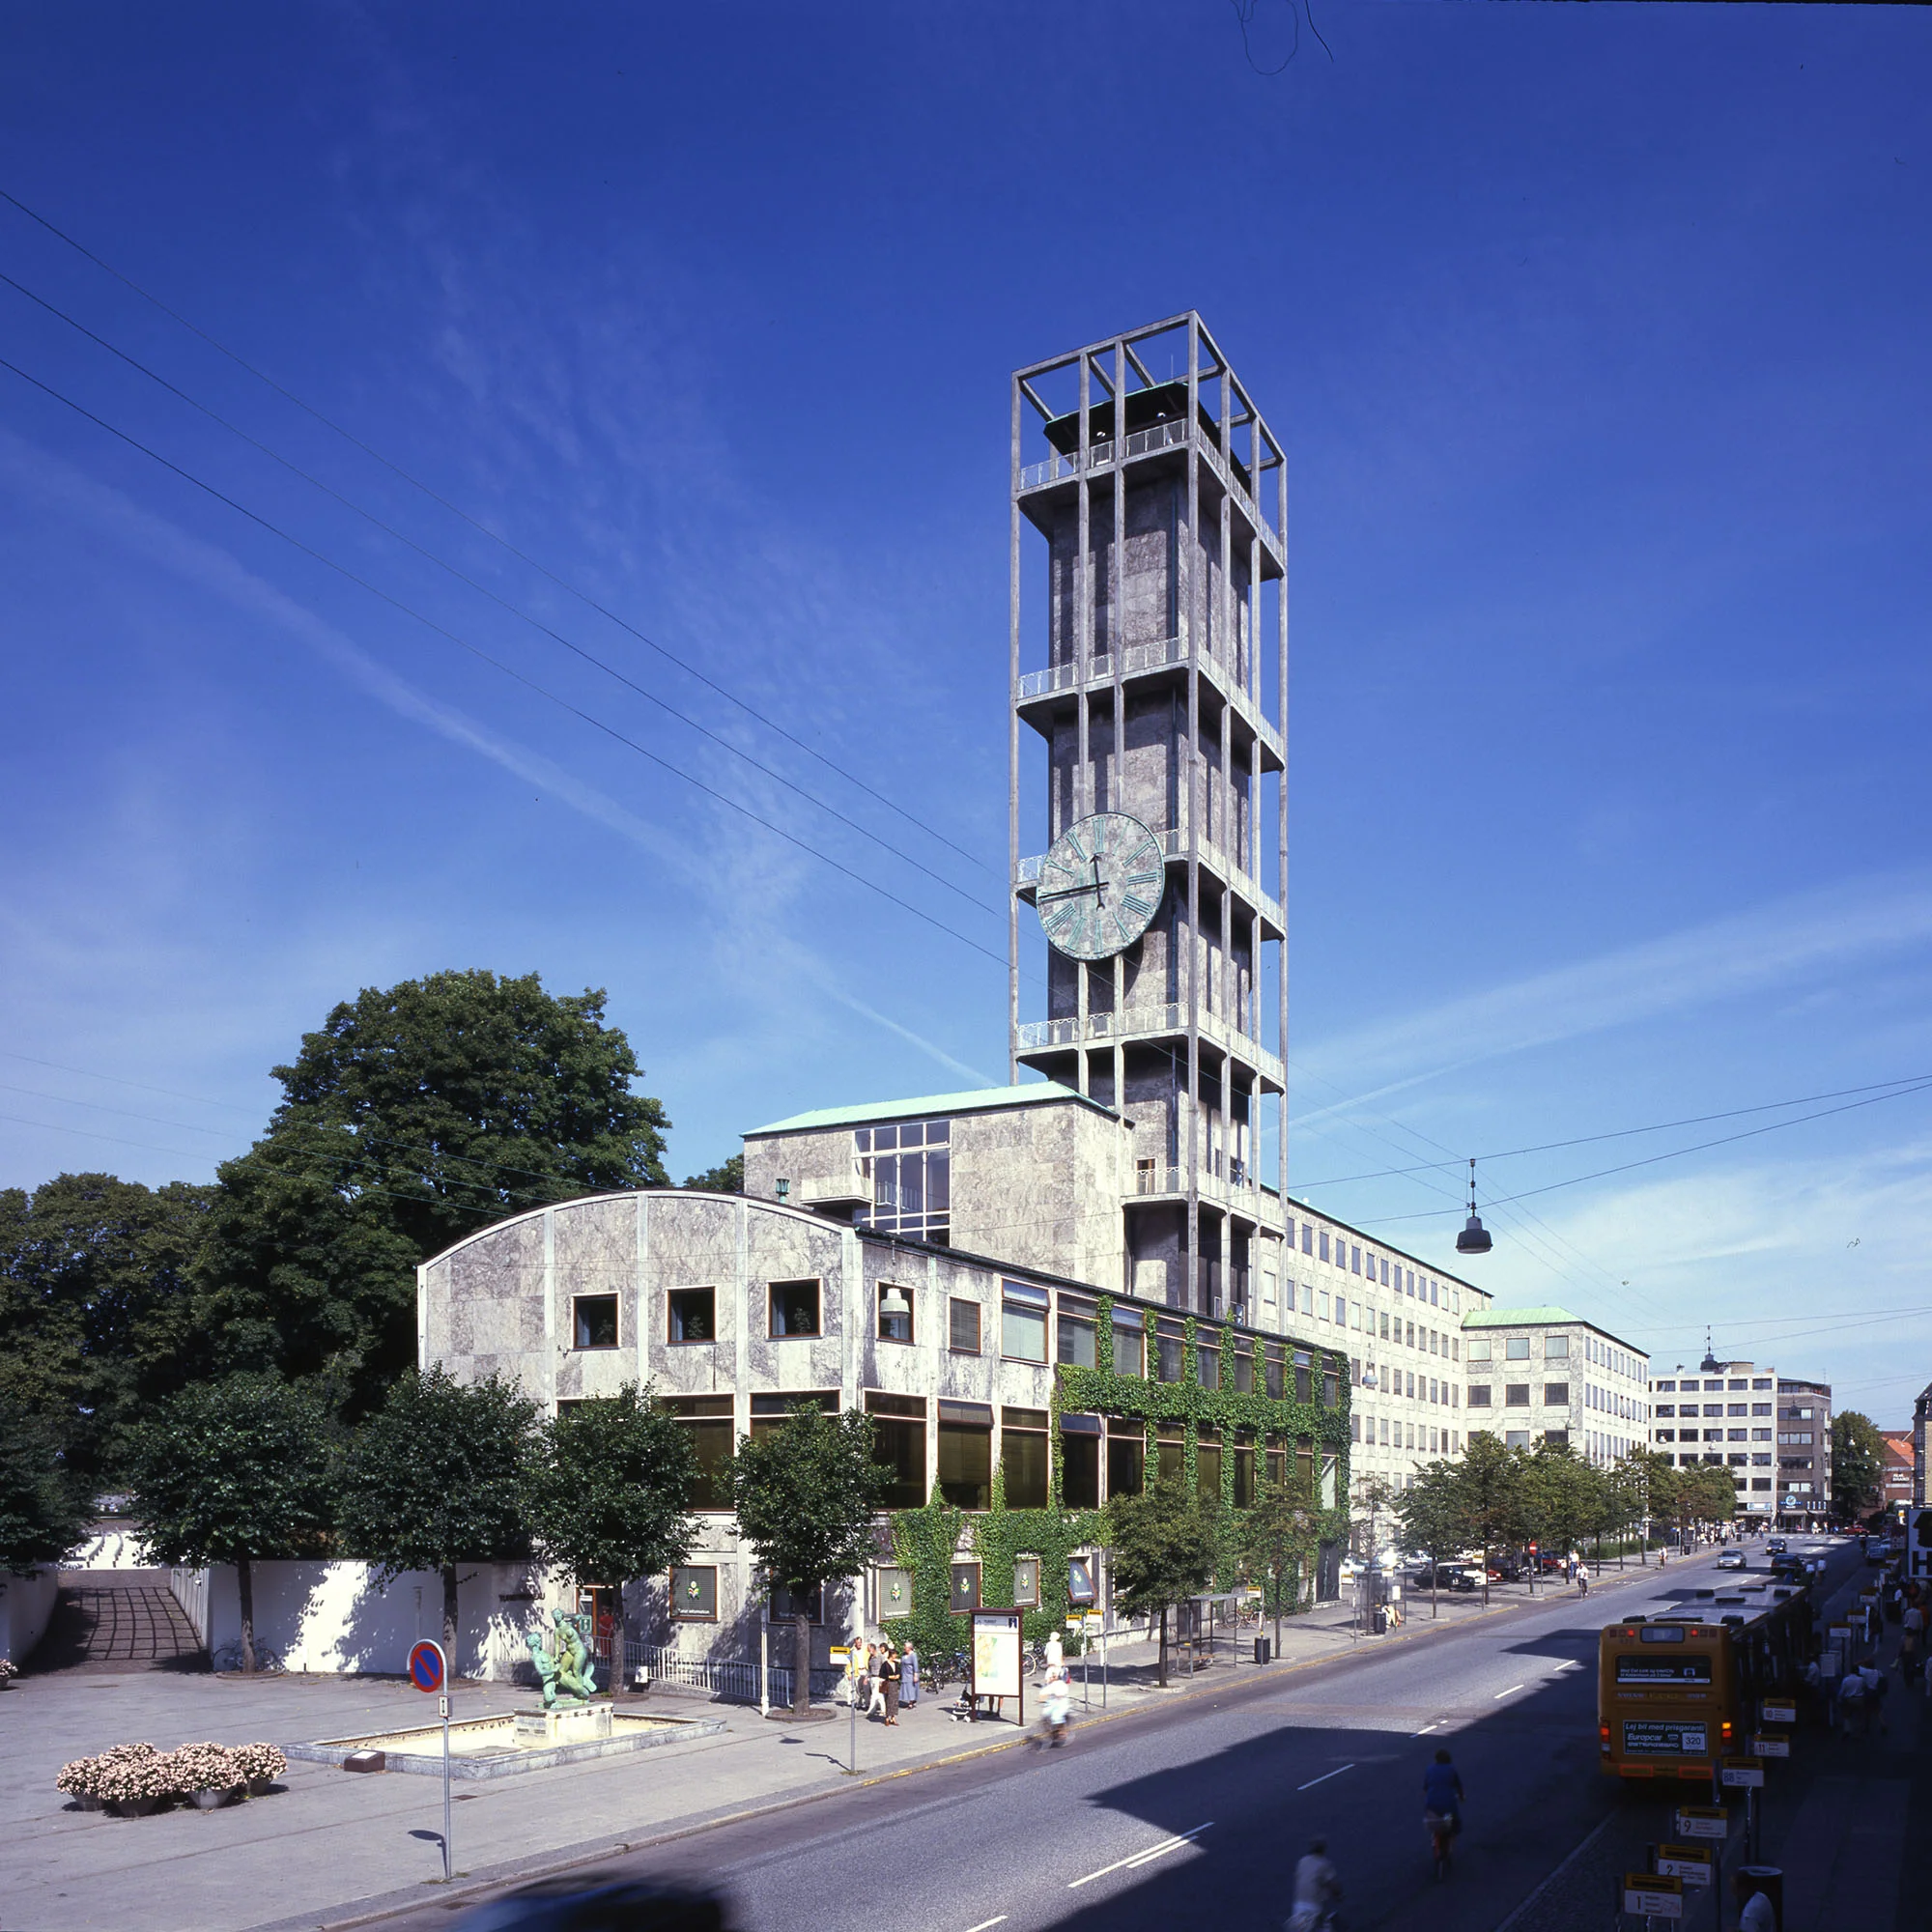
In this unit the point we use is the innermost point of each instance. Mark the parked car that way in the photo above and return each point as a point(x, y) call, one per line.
point(600, 1904)
point(1446, 1577)
point(1732, 1559)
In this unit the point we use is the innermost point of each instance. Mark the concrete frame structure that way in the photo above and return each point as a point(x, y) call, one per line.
point(1736, 1408)
point(1605, 1409)
point(1803, 1467)
point(1160, 550)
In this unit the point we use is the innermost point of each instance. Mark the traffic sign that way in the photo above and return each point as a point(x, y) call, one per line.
point(1652, 1895)
point(1741, 1773)
point(1776, 1713)
point(1764, 1747)
point(426, 1666)
point(1702, 1821)
point(1689, 1862)
point(840, 1652)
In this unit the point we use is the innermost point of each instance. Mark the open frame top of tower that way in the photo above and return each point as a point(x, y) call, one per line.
point(1161, 495)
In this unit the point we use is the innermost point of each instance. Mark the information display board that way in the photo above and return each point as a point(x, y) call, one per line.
point(1742, 1773)
point(1651, 1896)
point(1776, 1713)
point(999, 1667)
point(1769, 1746)
point(1702, 1821)
point(1662, 1737)
point(1689, 1862)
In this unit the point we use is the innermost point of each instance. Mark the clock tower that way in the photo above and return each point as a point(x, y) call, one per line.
point(1148, 809)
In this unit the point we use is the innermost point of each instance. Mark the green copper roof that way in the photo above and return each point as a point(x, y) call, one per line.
point(975, 1100)
point(1512, 1318)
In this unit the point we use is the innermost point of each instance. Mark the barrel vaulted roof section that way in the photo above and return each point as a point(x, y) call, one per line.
point(975, 1100)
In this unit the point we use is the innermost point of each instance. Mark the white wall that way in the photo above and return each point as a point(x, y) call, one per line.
point(331, 1618)
point(26, 1603)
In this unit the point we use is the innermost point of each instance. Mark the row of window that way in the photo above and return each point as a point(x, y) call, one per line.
point(693, 1590)
point(1377, 1322)
point(1736, 1462)
point(1717, 1435)
point(1715, 1409)
point(1386, 1432)
point(1516, 1395)
point(1735, 1386)
point(1317, 1242)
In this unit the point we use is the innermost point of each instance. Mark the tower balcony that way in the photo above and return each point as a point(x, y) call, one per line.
point(1034, 694)
point(1155, 1022)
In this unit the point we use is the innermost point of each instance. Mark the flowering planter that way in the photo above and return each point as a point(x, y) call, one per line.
point(85, 1800)
point(137, 1807)
point(260, 1787)
point(209, 1800)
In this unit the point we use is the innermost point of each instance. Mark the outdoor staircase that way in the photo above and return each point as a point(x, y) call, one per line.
point(118, 1620)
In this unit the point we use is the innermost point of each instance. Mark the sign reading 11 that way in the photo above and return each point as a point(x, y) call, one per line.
point(1101, 885)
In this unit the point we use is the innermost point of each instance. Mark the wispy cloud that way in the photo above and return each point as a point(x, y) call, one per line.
point(1784, 943)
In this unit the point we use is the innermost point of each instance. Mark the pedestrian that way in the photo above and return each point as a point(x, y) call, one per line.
point(1911, 1641)
point(1583, 1581)
point(876, 1708)
point(1851, 1701)
point(909, 1674)
point(1056, 1651)
point(889, 1676)
point(855, 1670)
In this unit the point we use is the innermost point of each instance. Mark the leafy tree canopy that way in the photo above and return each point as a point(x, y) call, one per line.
point(726, 1177)
point(609, 1493)
point(806, 1493)
point(1857, 1464)
point(413, 1117)
point(44, 1507)
point(94, 1321)
point(1163, 1549)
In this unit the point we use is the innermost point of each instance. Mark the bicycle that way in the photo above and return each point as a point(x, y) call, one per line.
point(1441, 1830)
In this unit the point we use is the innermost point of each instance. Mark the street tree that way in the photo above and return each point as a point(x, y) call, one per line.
point(806, 1493)
point(44, 1506)
point(1435, 1518)
point(1162, 1546)
point(1857, 1465)
point(241, 1471)
point(1374, 1504)
point(1489, 1489)
point(1563, 1497)
point(413, 1117)
point(726, 1177)
point(1278, 1536)
point(611, 1488)
point(95, 1325)
point(440, 1476)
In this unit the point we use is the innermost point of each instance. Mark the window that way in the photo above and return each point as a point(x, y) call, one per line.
point(1324, 1244)
point(1022, 1322)
point(1307, 1300)
point(1760, 1409)
point(894, 1313)
point(1026, 1583)
point(966, 1454)
point(1126, 1459)
point(1129, 1345)
point(1322, 1304)
point(1666, 1388)
point(1207, 1468)
point(1167, 1345)
point(910, 1169)
point(1760, 1482)
point(794, 1308)
point(1667, 1409)
point(1080, 1461)
point(1076, 1339)
point(1516, 1438)
point(1308, 1237)
point(1479, 1349)
point(693, 1593)
point(1666, 1436)
point(1272, 1370)
point(1244, 1368)
point(1556, 1395)
point(1023, 1458)
point(1737, 1409)
point(1408, 1334)
point(769, 1412)
point(691, 1315)
point(1516, 1395)
point(1760, 1435)
point(965, 1327)
point(1516, 1348)
point(594, 1320)
point(1207, 1366)
point(965, 1589)
point(1761, 1383)
point(899, 1441)
point(1355, 1259)
point(708, 1417)
point(1555, 1347)
point(1385, 1325)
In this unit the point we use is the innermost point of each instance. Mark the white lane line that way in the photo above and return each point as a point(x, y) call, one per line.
point(1139, 1857)
point(1500, 1694)
point(1426, 1728)
point(988, 1924)
point(1323, 1778)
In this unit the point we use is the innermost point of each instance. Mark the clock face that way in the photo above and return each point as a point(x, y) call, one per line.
point(1101, 885)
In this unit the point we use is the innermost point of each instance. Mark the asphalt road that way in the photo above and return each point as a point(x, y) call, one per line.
point(1193, 1813)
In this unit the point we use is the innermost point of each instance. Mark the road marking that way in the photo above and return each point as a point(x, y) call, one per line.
point(1426, 1728)
point(1323, 1778)
point(988, 1924)
point(1140, 1857)
point(1500, 1694)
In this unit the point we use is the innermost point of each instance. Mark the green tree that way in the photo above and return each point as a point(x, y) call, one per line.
point(1162, 1546)
point(1857, 1465)
point(1490, 1492)
point(611, 1487)
point(44, 1507)
point(440, 1476)
point(413, 1117)
point(1278, 1536)
point(806, 1493)
point(1434, 1515)
point(235, 1471)
point(94, 1323)
point(726, 1177)
point(1563, 1497)
point(1375, 1505)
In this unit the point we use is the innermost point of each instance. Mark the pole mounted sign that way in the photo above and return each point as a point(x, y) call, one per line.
point(1652, 1895)
point(1691, 1863)
point(429, 1672)
point(1741, 1772)
point(1703, 1821)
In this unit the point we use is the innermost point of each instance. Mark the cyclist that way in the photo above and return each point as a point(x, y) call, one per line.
point(1317, 1890)
point(1442, 1805)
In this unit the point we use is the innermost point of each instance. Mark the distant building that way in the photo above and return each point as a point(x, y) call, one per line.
point(1921, 1414)
point(1804, 1452)
point(1536, 1375)
point(1725, 1415)
point(1901, 1466)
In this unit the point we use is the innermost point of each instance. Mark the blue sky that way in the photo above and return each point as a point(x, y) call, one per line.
point(1596, 337)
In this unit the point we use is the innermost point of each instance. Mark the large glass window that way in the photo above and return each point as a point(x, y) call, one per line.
point(963, 1332)
point(1516, 1348)
point(1127, 1459)
point(1167, 1344)
point(1023, 1456)
point(1208, 1468)
point(910, 1169)
point(769, 1412)
point(691, 1315)
point(899, 1441)
point(794, 1308)
point(708, 1417)
point(1129, 1345)
point(1080, 1461)
point(594, 1320)
point(894, 1313)
point(1076, 1338)
point(966, 1454)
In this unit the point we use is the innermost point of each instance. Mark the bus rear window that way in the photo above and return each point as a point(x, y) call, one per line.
point(1663, 1669)
point(1661, 1633)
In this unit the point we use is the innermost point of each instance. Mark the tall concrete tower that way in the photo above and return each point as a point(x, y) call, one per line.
point(1148, 649)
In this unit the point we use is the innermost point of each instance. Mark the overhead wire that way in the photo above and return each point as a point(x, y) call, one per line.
point(456, 510)
point(482, 590)
point(508, 671)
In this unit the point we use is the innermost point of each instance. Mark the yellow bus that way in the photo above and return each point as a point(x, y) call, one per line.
point(1678, 1692)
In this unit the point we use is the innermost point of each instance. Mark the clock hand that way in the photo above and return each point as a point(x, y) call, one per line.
point(1071, 893)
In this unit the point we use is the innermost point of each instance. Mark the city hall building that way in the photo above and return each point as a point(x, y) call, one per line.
point(986, 1272)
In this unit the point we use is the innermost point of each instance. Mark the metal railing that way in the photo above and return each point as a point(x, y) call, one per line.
point(731, 1680)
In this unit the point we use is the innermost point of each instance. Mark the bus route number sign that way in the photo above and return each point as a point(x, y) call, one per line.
point(1703, 1821)
point(1741, 1773)
point(1767, 1747)
point(1652, 1895)
point(1689, 1862)
point(1779, 1714)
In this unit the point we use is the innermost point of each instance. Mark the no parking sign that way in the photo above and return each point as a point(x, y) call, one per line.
point(426, 1666)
